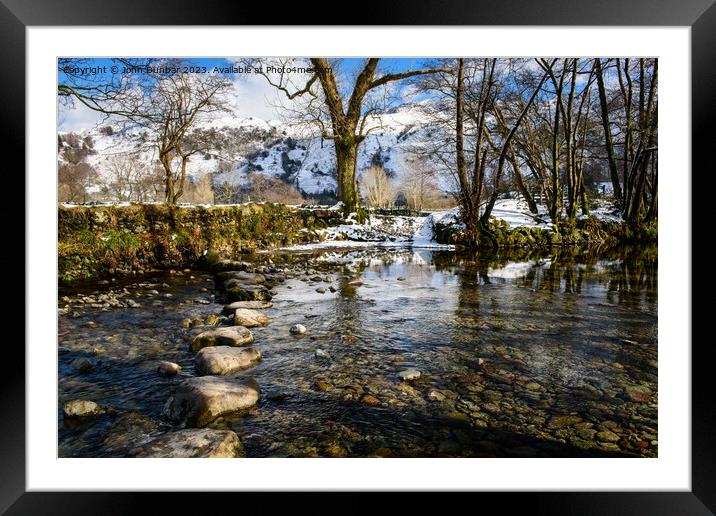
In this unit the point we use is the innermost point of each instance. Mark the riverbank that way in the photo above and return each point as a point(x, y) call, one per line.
point(98, 241)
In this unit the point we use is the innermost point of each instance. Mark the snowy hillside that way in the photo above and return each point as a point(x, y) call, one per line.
point(244, 146)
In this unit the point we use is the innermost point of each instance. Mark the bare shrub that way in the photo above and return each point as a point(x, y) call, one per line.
point(263, 188)
point(73, 180)
point(132, 181)
point(420, 187)
point(199, 191)
point(376, 188)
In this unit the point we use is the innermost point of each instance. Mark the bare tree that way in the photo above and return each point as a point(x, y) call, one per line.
point(377, 188)
point(419, 185)
point(348, 117)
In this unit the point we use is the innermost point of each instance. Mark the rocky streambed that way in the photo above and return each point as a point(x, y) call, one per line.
point(365, 353)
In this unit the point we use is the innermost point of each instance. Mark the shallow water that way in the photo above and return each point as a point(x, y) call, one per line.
point(507, 345)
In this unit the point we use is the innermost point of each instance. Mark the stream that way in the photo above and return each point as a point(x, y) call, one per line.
point(520, 354)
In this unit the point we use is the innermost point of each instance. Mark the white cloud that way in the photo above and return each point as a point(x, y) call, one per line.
point(255, 97)
point(77, 118)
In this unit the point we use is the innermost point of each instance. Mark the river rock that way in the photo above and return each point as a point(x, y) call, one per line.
point(409, 374)
point(249, 318)
point(168, 368)
point(199, 400)
point(322, 353)
point(243, 276)
point(216, 360)
point(638, 393)
point(191, 443)
point(225, 336)
point(81, 408)
point(129, 431)
point(559, 422)
point(252, 305)
point(240, 291)
point(297, 329)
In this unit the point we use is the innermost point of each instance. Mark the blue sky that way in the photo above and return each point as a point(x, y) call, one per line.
point(253, 92)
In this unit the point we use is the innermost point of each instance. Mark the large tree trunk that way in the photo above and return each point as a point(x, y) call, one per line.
point(346, 160)
point(607, 132)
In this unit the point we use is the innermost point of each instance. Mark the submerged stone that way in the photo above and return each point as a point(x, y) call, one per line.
point(409, 374)
point(193, 443)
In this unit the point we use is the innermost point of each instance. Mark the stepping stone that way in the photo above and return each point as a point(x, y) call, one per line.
point(200, 400)
point(217, 360)
point(240, 291)
point(224, 336)
point(252, 305)
point(249, 318)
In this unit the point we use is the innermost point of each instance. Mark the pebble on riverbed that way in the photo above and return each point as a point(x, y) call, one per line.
point(297, 329)
point(409, 374)
point(81, 408)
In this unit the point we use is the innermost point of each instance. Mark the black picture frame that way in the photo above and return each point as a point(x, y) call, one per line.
point(700, 15)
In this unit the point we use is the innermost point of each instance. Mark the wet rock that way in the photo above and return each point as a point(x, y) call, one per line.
point(321, 290)
point(409, 374)
point(638, 393)
point(332, 289)
point(252, 305)
point(239, 291)
point(276, 396)
point(297, 329)
point(198, 401)
point(322, 353)
point(83, 365)
point(193, 442)
point(559, 422)
point(249, 318)
point(213, 320)
point(217, 360)
point(128, 431)
point(436, 395)
point(81, 408)
point(226, 336)
point(243, 276)
point(607, 437)
point(168, 368)
point(186, 323)
point(370, 400)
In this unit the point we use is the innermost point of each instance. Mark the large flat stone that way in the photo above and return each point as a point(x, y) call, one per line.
point(225, 359)
point(250, 318)
point(252, 305)
point(198, 401)
point(191, 443)
point(224, 336)
point(241, 291)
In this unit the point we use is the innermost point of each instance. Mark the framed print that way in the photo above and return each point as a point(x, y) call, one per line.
point(427, 251)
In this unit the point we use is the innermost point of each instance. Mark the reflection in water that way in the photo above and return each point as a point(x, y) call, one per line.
point(521, 354)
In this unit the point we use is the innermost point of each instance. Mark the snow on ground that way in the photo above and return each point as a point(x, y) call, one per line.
point(517, 214)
